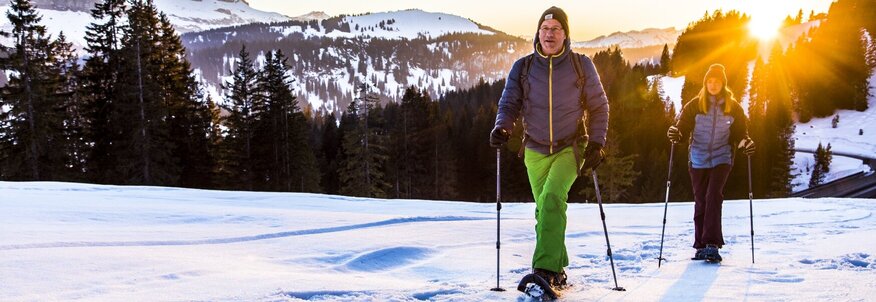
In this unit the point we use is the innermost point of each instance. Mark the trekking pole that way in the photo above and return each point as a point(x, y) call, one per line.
point(605, 228)
point(666, 204)
point(751, 208)
point(498, 216)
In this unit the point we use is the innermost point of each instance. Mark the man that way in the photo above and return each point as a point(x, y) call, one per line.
point(553, 92)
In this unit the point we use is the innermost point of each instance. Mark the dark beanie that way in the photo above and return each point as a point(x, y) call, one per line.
point(555, 13)
point(716, 71)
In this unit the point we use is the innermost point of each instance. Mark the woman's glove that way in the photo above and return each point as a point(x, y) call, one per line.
point(673, 134)
point(747, 146)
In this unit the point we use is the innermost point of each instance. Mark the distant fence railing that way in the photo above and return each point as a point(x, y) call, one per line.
point(867, 159)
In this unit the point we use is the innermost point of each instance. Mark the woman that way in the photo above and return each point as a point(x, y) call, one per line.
point(715, 122)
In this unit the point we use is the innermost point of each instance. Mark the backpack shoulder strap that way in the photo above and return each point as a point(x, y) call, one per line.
point(524, 84)
point(579, 70)
point(524, 75)
point(582, 129)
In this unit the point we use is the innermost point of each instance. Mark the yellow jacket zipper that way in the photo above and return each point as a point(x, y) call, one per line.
point(551, 102)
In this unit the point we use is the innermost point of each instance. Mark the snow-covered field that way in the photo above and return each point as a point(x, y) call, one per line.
point(70, 242)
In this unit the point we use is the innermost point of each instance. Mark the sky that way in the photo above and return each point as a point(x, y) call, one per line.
point(588, 19)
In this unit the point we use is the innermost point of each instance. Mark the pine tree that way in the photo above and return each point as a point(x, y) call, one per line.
point(189, 116)
point(74, 146)
point(361, 169)
point(32, 136)
point(837, 73)
point(652, 146)
point(664, 60)
point(827, 158)
point(616, 175)
point(778, 125)
point(216, 137)
point(329, 151)
point(237, 155)
point(446, 171)
point(414, 144)
point(822, 165)
point(472, 114)
point(757, 127)
point(284, 130)
point(163, 120)
point(716, 38)
point(98, 88)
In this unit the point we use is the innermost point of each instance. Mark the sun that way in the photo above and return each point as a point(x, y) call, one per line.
point(764, 29)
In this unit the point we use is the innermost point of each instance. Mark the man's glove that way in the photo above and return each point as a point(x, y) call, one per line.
point(747, 146)
point(673, 134)
point(593, 156)
point(499, 137)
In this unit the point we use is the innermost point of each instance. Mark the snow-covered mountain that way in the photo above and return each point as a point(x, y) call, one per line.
point(435, 52)
point(198, 15)
point(72, 16)
point(311, 16)
point(633, 39)
point(62, 5)
point(406, 24)
point(81, 242)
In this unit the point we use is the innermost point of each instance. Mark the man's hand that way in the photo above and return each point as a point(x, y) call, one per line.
point(673, 134)
point(747, 146)
point(593, 156)
point(499, 137)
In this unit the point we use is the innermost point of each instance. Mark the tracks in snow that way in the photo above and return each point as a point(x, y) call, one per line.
point(238, 239)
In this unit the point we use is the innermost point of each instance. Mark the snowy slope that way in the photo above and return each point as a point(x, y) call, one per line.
point(185, 15)
point(72, 23)
point(790, 34)
point(76, 242)
point(845, 137)
point(405, 24)
point(671, 89)
point(633, 39)
point(198, 15)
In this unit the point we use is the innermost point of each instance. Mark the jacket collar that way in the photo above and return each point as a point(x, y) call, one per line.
point(567, 45)
point(715, 100)
point(559, 55)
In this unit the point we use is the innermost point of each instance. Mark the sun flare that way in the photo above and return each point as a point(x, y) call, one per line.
point(764, 29)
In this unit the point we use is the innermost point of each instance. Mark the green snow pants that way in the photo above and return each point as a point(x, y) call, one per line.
point(551, 178)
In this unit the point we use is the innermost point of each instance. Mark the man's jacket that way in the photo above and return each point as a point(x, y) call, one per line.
point(553, 110)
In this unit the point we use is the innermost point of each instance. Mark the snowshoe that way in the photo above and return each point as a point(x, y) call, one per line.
point(711, 254)
point(543, 285)
point(700, 254)
point(537, 287)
